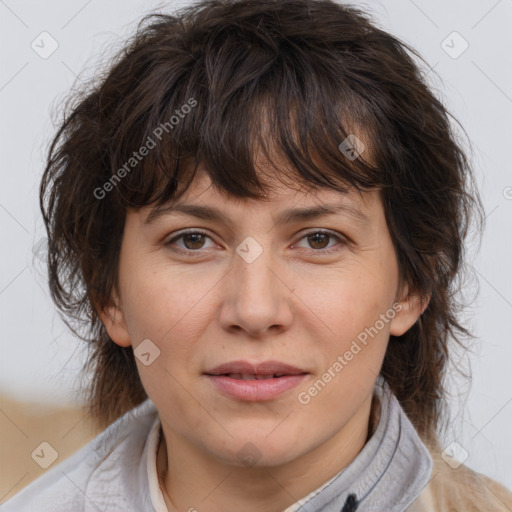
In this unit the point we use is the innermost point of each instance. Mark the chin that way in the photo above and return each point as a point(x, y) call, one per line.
point(259, 452)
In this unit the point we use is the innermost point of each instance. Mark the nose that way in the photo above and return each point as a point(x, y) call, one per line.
point(257, 295)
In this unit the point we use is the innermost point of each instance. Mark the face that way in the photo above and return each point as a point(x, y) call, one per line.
point(319, 293)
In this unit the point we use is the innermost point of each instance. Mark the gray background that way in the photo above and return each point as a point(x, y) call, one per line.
point(41, 359)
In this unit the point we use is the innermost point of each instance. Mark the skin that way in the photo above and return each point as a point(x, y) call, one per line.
point(295, 303)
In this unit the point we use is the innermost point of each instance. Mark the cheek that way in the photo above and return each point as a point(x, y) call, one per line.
point(161, 303)
point(356, 313)
point(173, 316)
point(348, 301)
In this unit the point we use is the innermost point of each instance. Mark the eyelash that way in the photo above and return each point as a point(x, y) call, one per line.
point(192, 253)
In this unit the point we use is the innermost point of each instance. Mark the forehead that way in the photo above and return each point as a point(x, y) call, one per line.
point(289, 202)
point(279, 191)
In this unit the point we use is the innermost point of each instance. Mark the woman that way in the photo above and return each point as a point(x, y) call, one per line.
point(259, 213)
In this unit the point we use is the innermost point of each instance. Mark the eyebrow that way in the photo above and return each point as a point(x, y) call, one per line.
point(286, 216)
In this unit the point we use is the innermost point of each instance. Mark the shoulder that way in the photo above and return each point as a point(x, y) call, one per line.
point(64, 487)
point(460, 489)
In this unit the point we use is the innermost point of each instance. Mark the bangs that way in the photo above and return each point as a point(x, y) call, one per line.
point(239, 103)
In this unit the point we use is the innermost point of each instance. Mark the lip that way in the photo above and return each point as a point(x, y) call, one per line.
point(256, 389)
point(263, 368)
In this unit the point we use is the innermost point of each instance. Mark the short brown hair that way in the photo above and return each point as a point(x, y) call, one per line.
point(297, 75)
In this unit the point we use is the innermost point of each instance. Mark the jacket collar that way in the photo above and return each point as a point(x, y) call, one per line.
point(388, 474)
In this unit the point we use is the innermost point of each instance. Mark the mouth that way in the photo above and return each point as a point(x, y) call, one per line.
point(248, 371)
point(245, 376)
point(241, 380)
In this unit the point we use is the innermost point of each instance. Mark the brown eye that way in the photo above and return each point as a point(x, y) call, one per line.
point(191, 242)
point(318, 240)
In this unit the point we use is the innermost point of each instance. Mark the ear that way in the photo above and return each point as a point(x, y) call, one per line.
point(113, 319)
point(408, 310)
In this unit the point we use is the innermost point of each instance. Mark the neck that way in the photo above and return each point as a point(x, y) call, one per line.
point(191, 479)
